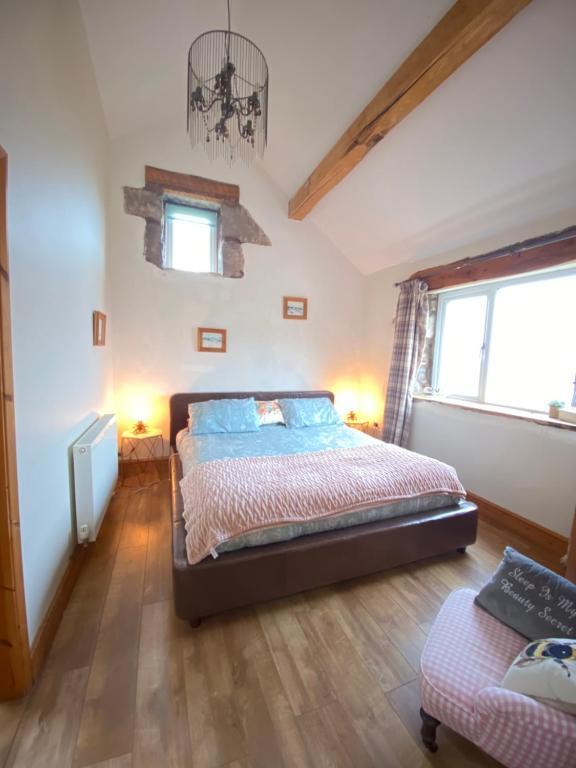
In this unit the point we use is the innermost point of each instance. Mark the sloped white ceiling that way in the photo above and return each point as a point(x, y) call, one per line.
point(493, 148)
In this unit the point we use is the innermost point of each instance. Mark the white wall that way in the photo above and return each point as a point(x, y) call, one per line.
point(52, 128)
point(156, 313)
point(524, 467)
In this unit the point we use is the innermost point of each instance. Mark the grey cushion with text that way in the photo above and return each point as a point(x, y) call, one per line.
point(530, 598)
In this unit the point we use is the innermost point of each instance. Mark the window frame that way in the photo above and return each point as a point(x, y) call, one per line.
point(489, 289)
point(215, 260)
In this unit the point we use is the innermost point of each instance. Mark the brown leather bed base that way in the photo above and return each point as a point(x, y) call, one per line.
point(257, 574)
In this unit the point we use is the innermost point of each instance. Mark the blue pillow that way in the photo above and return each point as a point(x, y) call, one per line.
point(309, 412)
point(213, 416)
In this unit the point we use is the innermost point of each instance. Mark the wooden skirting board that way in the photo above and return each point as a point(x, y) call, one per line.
point(504, 518)
point(51, 622)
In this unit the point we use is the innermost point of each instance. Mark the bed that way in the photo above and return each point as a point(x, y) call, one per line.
point(266, 569)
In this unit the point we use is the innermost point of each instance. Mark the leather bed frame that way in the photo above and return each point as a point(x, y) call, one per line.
point(257, 574)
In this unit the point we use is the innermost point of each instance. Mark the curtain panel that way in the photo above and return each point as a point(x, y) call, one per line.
point(409, 341)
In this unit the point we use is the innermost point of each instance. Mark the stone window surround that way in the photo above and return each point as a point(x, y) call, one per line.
point(236, 225)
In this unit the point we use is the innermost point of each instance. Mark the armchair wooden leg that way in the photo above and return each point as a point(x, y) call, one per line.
point(428, 730)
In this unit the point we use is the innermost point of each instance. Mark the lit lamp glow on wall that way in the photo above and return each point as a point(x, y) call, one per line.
point(358, 402)
point(371, 404)
point(140, 414)
point(346, 400)
point(137, 409)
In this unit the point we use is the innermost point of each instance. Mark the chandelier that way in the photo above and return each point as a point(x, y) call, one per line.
point(227, 95)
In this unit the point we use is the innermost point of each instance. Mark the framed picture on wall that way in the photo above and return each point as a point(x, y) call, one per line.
point(295, 308)
point(98, 329)
point(211, 340)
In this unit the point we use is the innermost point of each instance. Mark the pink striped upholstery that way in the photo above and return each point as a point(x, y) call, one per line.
point(465, 658)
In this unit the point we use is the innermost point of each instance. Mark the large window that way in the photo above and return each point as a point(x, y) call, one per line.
point(510, 343)
point(191, 238)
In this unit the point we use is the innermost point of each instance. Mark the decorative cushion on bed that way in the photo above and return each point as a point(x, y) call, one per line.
point(530, 598)
point(309, 412)
point(223, 416)
point(546, 670)
point(269, 412)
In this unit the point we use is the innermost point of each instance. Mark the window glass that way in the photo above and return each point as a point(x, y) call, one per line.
point(532, 356)
point(462, 337)
point(191, 238)
point(510, 343)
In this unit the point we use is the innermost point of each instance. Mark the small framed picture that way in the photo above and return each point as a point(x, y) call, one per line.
point(211, 340)
point(98, 329)
point(295, 308)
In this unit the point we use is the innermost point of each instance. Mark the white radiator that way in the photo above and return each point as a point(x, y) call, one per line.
point(95, 475)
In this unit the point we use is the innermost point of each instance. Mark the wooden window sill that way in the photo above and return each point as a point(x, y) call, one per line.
point(496, 410)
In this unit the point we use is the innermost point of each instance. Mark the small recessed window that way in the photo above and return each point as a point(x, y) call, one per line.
point(191, 240)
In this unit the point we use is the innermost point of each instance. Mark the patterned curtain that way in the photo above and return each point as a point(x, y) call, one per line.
point(409, 339)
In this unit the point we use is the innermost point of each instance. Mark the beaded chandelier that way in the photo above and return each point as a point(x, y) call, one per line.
point(227, 95)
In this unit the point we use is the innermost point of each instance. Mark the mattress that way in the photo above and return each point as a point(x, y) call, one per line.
point(279, 440)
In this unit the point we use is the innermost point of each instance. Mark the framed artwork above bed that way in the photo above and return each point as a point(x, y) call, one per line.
point(98, 329)
point(211, 340)
point(295, 308)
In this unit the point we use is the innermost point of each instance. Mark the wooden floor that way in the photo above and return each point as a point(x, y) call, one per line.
point(327, 678)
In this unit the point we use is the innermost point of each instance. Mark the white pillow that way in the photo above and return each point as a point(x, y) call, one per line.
point(269, 412)
point(546, 670)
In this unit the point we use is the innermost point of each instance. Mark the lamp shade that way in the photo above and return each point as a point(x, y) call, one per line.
point(227, 95)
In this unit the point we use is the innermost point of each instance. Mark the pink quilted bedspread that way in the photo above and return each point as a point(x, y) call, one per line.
point(229, 497)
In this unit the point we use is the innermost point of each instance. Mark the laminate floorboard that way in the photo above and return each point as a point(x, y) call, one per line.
point(325, 678)
point(10, 717)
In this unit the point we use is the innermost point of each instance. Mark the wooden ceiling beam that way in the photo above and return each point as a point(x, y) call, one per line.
point(457, 36)
point(544, 252)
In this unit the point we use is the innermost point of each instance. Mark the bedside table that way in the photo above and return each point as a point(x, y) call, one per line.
point(362, 426)
point(143, 447)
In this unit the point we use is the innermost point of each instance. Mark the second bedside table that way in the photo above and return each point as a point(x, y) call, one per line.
point(360, 425)
point(142, 447)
